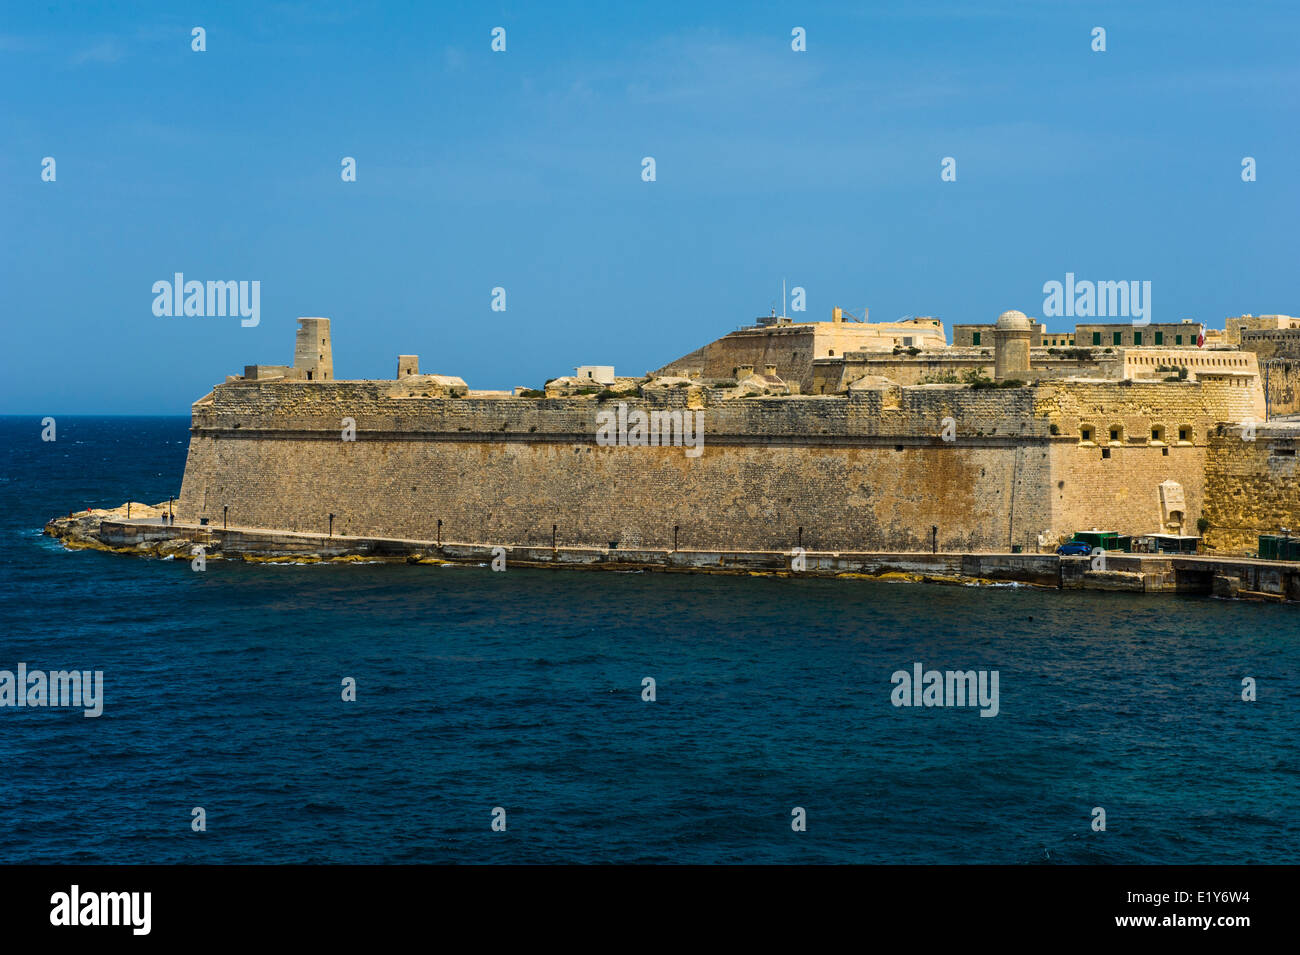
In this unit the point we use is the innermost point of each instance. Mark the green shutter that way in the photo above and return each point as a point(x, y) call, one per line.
point(1160, 338)
point(1096, 338)
point(1137, 338)
point(1115, 337)
point(976, 338)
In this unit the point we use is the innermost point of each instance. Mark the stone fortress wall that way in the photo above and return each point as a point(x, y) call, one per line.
point(1252, 485)
point(877, 465)
point(867, 471)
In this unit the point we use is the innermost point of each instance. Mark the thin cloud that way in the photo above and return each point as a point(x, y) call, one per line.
point(110, 50)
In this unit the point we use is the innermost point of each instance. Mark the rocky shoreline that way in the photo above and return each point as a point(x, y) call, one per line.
point(102, 529)
point(146, 533)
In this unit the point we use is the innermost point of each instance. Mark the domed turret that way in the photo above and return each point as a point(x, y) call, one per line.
point(1011, 341)
point(1014, 319)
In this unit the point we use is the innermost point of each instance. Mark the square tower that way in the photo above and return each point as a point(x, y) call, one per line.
point(312, 357)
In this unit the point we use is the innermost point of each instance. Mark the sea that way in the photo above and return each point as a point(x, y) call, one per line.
point(507, 718)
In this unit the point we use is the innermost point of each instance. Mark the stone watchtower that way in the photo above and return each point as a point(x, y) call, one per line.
point(312, 357)
point(1011, 340)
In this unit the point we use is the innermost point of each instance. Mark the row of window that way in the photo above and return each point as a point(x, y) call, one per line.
point(1116, 338)
point(1087, 434)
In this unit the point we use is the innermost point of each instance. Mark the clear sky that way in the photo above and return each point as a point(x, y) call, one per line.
point(523, 170)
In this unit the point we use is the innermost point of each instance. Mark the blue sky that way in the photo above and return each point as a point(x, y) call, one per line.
point(523, 170)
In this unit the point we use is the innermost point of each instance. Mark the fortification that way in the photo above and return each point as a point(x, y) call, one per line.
point(1011, 342)
point(313, 358)
point(877, 465)
point(1252, 485)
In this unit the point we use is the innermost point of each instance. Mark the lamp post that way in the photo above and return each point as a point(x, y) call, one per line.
point(676, 528)
point(440, 532)
point(331, 525)
point(225, 513)
point(1267, 397)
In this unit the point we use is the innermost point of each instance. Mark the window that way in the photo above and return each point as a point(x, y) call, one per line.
point(1116, 433)
point(1085, 434)
point(1115, 338)
point(1178, 339)
point(1160, 338)
point(975, 338)
point(1137, 338)
point(1096, 338)
point(1157, 434)
point(1184, 435)
point(1105, 452)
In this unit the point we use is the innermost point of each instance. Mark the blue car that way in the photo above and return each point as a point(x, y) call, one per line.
point(1074, 549)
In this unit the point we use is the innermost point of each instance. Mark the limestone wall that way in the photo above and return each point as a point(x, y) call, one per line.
point(1252, 487)
point(1282, 377)
point(867, 471)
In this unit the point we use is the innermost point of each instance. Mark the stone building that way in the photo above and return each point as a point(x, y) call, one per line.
point(312, 356)
point(873, 463)
point(793, 347)
point(1117, 334)
point(1239, 324)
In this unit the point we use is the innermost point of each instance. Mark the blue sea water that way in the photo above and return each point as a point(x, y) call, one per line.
point(522, 690)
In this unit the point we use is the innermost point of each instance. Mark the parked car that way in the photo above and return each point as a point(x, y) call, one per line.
point(1074, 549)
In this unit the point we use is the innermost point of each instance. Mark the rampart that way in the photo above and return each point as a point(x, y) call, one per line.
point(871, 470)
point(1252, 485)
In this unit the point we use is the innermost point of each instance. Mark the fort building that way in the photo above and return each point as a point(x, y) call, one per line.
point(977, 335)
point(792, 347)
point(1175, 334)
point(1238, 324)
point(1003, 447)
point(595, 374)
point(313, 358)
